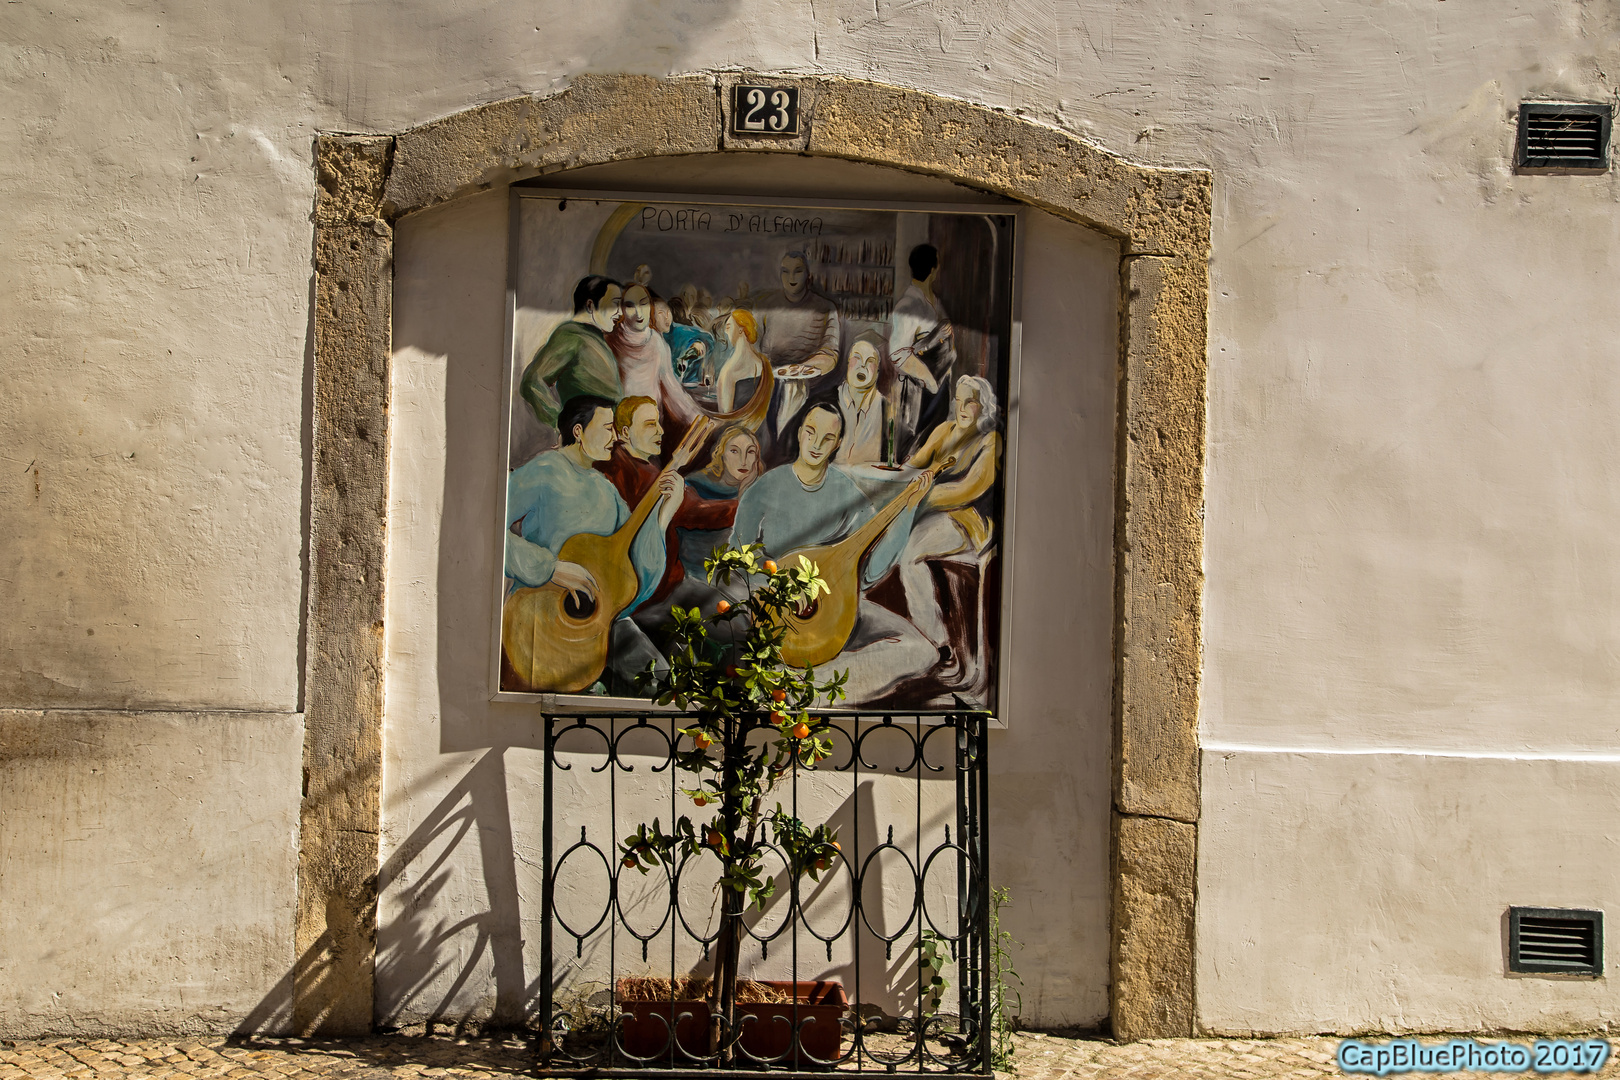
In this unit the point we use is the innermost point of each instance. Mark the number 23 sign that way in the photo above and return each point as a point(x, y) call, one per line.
point(764, 110)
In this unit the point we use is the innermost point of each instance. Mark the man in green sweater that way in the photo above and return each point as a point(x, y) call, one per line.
point(576, 359)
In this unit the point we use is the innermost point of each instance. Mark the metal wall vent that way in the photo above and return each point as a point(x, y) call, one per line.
point(1551, 941)
point(1564, 138)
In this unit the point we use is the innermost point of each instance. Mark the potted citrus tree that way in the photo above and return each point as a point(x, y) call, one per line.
point(752, 725)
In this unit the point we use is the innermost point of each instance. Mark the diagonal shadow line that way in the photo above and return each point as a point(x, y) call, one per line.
point(407, 959)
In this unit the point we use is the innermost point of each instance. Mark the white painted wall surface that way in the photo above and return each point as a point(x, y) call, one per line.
point(1411, 492)
point(1391, 911)
point(147, 870)
point(461, 840)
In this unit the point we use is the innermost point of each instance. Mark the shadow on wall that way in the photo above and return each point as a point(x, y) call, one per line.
point(436, 970)
point(416, 955)
point(425, 962)
point(421, 946)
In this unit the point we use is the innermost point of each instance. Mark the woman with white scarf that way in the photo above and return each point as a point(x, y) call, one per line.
point(645, 365)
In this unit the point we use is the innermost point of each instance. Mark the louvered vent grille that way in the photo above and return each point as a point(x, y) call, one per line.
point(1553, 940)
point(1564, 136)
point(1565, 942)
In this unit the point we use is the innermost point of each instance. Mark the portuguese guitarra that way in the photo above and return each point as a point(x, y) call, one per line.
point(818, 633)
point(555, 640)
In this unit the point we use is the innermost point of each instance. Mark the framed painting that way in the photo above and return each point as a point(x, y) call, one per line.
point(821, 378)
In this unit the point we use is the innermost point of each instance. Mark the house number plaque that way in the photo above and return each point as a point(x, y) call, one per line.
point(764, 110)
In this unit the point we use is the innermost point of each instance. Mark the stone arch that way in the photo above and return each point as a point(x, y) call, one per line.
point(1161, 219)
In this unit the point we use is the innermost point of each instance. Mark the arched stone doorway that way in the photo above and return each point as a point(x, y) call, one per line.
point(1160, 219)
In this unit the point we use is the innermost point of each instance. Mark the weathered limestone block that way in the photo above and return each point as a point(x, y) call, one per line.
point(335, 931)
point(1152, 966)
point(351, 172)
point(600, 118)
point(1154, 209)
point(1160, 535)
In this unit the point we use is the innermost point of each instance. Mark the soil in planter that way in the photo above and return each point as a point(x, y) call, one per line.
point(696, 988)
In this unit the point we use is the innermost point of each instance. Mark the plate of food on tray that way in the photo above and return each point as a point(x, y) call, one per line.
point(797, 371)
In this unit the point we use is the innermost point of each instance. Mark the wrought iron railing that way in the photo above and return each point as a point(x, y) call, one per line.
point(877, 963)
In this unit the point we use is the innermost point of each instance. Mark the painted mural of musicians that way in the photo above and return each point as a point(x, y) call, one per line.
point(825, 393)
point(923, 348)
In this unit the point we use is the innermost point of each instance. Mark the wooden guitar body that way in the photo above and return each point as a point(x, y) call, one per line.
point(816, 636)
point(557, 641)
point(819, 635)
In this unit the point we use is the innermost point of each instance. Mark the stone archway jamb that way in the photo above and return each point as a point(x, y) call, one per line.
point(1161, 218)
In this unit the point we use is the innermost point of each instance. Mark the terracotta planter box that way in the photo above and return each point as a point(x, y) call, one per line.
point(645, 1033)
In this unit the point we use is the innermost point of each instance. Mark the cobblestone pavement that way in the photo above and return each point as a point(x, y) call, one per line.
point(1039, 1057)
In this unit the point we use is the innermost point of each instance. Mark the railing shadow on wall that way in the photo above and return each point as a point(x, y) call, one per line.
point(429, 967)
point(415, 953)
point(418, 947)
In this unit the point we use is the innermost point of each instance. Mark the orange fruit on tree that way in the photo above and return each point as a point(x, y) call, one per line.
point(801, 731)
point(630, 862)
point(714, 838)
point(778, 695)
point(702, 741)
point(770, 566)
point(700, 799)
point(723, 606)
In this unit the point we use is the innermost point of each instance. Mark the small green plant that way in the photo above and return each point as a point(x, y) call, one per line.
point(933, 953)
point(738, 693)
point(1005, 1002)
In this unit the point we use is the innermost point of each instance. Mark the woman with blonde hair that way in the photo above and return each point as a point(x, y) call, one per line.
point(734, 463)
point(732, 467)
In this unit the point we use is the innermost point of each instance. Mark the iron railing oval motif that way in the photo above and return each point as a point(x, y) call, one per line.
point(908, 793)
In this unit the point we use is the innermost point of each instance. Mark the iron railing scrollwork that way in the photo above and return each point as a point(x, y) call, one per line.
point(909, 793)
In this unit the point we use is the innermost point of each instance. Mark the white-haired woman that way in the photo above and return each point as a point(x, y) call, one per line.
point(951, 520)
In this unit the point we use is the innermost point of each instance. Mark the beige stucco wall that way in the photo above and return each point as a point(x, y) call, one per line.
point(146, 869)
point(1410, 541)
point(1390, 916)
